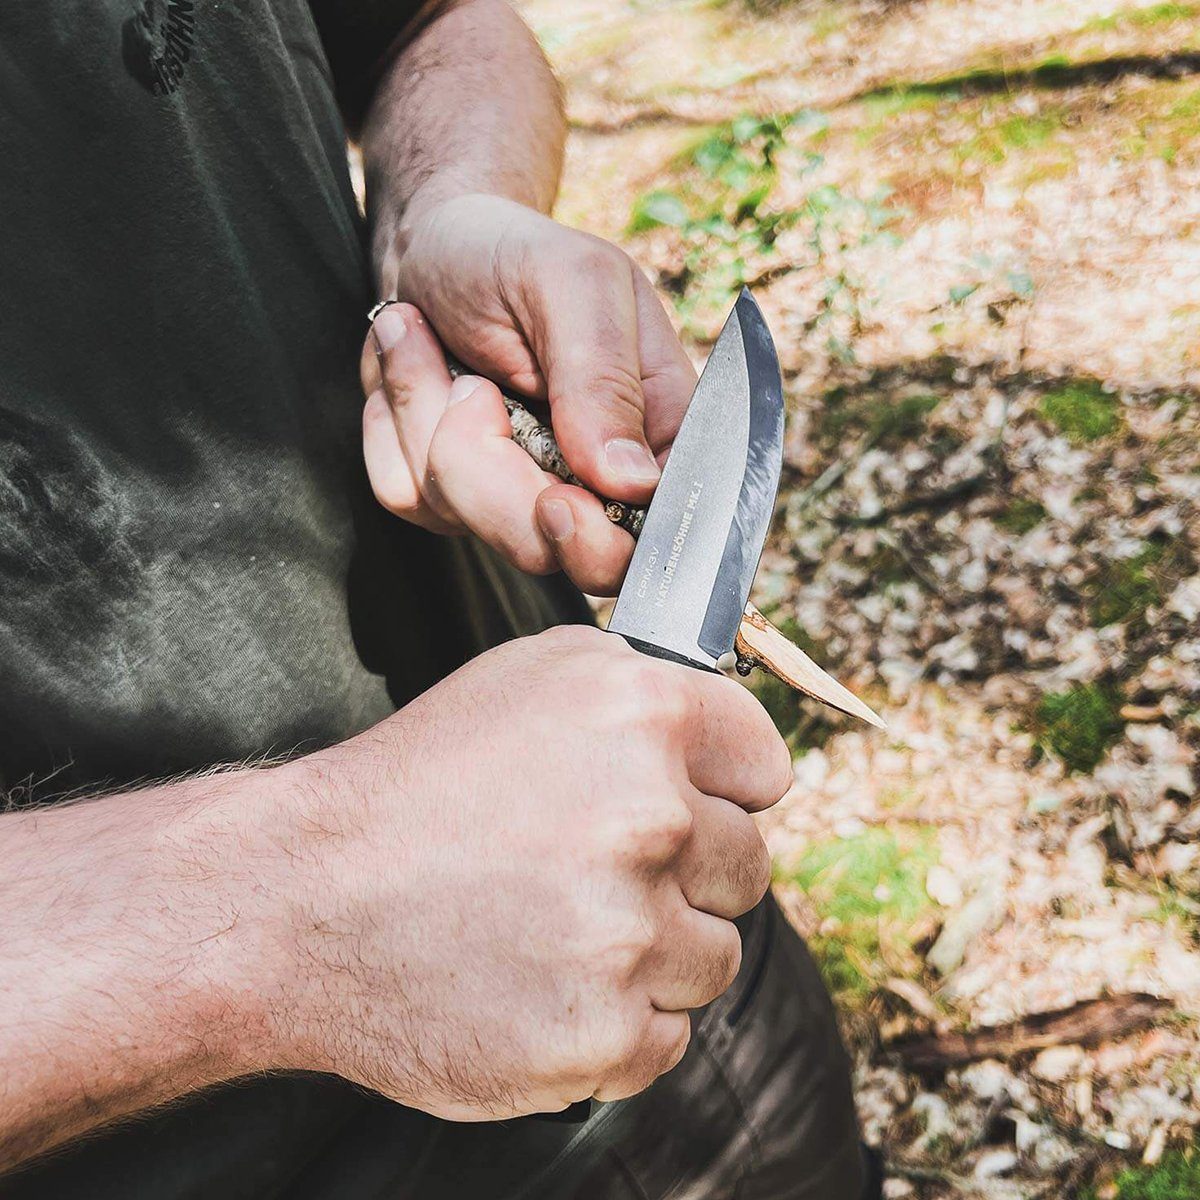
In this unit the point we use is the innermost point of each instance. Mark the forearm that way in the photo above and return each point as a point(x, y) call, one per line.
point(138, 942)
point(469, 105)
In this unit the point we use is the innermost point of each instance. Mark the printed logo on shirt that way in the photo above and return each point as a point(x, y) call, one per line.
point(156, 44)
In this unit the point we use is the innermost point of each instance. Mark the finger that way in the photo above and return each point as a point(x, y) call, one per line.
point(694, 962)
point(387, 468)
point(585, 335)
point(417, 385)
point(486, 479)
point(732, 747)
point(590, 548)
point(668, 377)
point(724, 868)
point(663, 1043)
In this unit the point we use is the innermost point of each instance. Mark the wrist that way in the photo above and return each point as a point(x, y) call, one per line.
point(395, 234)
point(392, 226)
point(224, 875)
point(308, 853)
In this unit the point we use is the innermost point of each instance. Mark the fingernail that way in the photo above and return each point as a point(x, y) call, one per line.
point(461, 388)
point(631, 460)
point(388, 329)
point(557, 519)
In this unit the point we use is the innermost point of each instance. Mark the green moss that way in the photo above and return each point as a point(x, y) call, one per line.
point(1189, 106)
point(1082, 409)
point(1125, 588)
point(886, 566)
point(1079, 725)
point(1176, 1177)
point(659, 207)
point(1162, 14)
point(886, 421)
point(1021, 516)
point(1173, 908)
point(1016, 133)
point(900, 421)
point(830, 20)
point(1021, 132)
point(869, 891)
point(887, 102)
point(1155, 14)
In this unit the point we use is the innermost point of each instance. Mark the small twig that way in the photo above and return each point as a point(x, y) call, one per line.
point(961, 1184)
point(939, 499)
point(1084, 1024)
point(539, 442)
point(931, 582)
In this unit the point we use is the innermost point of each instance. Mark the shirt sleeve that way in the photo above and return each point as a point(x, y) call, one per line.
point(359, 37)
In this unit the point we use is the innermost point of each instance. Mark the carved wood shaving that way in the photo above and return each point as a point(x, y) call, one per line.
point(760, 644)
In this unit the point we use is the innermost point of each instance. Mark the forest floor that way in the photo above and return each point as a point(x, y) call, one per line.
point(974, 226)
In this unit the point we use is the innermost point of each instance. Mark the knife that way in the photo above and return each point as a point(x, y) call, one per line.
point(686, 593)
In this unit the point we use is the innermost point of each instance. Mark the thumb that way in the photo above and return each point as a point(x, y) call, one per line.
point(591, 363)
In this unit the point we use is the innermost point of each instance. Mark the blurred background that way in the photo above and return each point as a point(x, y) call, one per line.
point(975, 230)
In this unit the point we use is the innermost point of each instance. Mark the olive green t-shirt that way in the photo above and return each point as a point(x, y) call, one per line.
point(192, 568)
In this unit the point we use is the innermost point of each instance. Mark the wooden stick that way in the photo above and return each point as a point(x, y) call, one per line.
point(758, 643)
point(1084, 1024)
point(538, 441)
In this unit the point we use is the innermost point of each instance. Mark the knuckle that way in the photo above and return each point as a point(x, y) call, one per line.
point(620, 389)
point(649, 1056)
point(678, 1048)
point(597, 258)
point(659, 830)
point(728, 964)
point(530, 556)
point(659, 697)
point(397, 496)
point(397, 377)
point(440, 453)
point(569, 637)
point(621, 957)
point(591, 579)
point(757, 872)
point(780, 771)
point(611, 1044)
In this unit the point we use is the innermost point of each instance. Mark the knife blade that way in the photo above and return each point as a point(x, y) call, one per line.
point(744, 360)
point(690, 575)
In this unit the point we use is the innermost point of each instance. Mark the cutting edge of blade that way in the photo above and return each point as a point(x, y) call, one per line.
point(751, 519)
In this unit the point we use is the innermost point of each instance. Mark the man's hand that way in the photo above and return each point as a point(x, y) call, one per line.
point(506, 898)
point(500, 900)
point(554, 314)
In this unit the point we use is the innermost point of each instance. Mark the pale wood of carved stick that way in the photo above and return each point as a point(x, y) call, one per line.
point(760, 644)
